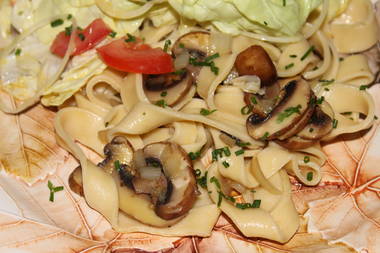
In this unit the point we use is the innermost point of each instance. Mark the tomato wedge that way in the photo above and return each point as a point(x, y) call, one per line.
point(135, 57)
point(84, 40)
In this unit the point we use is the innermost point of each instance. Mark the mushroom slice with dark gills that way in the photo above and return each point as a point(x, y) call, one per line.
point(169, 87)
point(320, 124)
point(295, 99)
point(162, 172)
point(181, 189)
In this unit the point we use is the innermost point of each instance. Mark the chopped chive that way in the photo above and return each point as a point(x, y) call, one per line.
point(265, 136)
point(320, 100)
point(226, 151)
point(293, 56)
point(117, 165)
point(315, 68)
point(245, 110)
point(291, 65)
point(311, 130)
point(81, 36)
point(326, 89)
point(255, 204)
point(253, 100)
point(161, 103)
point(341, 59)
point(198, 172)
point(69, 16)
point(106, 124)
point(306, 54)
point(284, 3)
point(18, 51)
point(226, 164)
point(288, 112)
point(164, 94)
point(335, 123)
point(215, 181)
point(363, 87)
point(219, 199)
point(68, 30)
point(212, 57)
point(375, 117)
point(53, 189)
point(179, 72)
point(112, 34)
point(181, 45)
point(239, 152)
point(206, 112)
point(306, 159)
point(309, 176)
point(131, 38)
point(202, 180)
point(326, 82)
point(194, 155)
point(56, 22)
point(167, 44)
point(265, 23)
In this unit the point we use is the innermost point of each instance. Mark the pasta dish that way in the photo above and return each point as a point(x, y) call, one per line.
point(180, 110)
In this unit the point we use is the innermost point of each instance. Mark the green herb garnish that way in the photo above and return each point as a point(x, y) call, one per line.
point(112, 34)
point(69, 16)
point(161, 103)
point(255, 204)
point(18, 51)
point(206, 112)
point(53, 189)
point(81, 36)
point(293, 56)
point(164, 94)
point(239, 152)
point(288, 111)
point(167, 44)
point(56, 22)
point(130, 38)
point(253, 100)
point(335, 123)
point(309, 176)
point(226, 164)
point(363, 87)
point(306, 159)
point(326, 82)
point(246, 110)
point(265, 136)
point(306, 54)
point(194, 155)
point(291, 65)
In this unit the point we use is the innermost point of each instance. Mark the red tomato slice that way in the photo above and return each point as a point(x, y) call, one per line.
point(84, 40)
point(136, 58)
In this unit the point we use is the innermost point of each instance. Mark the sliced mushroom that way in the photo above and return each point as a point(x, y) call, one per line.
point(119, 152)
point(295, 143)
point(293, 105)
point(177, 168)
point(194, 43)
point(320, 124)
point(160, 170)
point(256, 61)
point(167, 88)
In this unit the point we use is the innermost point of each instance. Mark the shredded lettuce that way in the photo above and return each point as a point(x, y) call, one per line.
point(21, 75)
point(275, 17)
point(81, 69)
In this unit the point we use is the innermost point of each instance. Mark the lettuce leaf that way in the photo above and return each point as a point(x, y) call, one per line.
point(275, 17)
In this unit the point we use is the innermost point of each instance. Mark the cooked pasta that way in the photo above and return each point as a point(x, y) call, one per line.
point(242, 112)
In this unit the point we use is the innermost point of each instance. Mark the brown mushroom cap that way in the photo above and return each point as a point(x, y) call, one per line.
point(75, 181)
point(320, 124)
point(195, 43)
point(296, 98)
point(174, 92)
point(256, 61)
point(178, 169)
point(295, 143)
point(117, 150)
